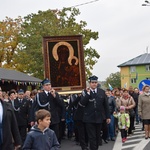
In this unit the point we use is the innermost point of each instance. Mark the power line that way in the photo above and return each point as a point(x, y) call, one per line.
point(84, 3)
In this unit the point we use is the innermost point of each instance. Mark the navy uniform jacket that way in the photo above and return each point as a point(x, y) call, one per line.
point(21, 111)
point(42, 101)
point(96, 106)
point(31, 101)
point(79, 110)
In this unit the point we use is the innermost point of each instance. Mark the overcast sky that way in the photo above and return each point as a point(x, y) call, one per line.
point(123, 26)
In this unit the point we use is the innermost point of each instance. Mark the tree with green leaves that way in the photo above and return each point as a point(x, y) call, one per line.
point(9, 41)
point(52, 23)
point(114, 80)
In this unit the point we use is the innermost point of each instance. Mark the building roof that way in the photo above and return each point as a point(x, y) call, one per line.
point(139, 60)
point(7, 74)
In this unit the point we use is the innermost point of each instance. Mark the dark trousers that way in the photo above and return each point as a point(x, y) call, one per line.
point(123, 133)
point(29, 127)
point(82, 133)
point(23, 132)
point(55, 128)
point(76, 132)
point(94, 133)
point(136, 115)
point(111, 127)
point(62, 127)
point(1, 135)
point(104, 130)
point(131, 125)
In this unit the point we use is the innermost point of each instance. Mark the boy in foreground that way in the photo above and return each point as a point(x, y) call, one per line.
point(40, 136)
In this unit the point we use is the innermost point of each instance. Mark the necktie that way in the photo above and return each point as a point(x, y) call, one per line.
point(94, 93)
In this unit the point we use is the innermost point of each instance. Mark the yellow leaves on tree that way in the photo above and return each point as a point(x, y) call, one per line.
point(9, 34)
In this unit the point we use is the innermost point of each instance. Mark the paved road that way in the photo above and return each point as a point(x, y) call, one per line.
point(71, 145)
point(134, 142)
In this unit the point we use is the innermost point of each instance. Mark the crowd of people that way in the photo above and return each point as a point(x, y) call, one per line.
point(92, 117)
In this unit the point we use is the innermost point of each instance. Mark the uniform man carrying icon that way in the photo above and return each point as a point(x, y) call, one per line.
point(96, 110)
point(49, 100)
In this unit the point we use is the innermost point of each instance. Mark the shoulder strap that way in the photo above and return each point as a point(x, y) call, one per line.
point(128, 101)
point(121, 100)
point(13, 105)
point(38, 101)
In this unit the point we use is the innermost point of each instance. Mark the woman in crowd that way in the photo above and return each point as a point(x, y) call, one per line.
point(112, 109)
point(5, 96)
point(136, 96)
point(118, 104)
point(144, 109)
point(128, 102)
point(1, 94)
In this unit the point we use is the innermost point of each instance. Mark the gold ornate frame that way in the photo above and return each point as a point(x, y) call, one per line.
point(64, 63)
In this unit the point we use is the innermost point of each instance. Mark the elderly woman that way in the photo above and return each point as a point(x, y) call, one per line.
point(144, 109)
point(128, 102)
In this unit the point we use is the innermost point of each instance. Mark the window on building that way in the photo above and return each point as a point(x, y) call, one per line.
point(133, 80)
point(147, 67)
point(132, 69)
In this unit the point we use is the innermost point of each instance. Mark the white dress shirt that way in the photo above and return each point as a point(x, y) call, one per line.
point(46, 92)
point(95, 90)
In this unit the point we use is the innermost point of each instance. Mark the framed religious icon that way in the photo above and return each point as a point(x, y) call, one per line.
point(64, 63)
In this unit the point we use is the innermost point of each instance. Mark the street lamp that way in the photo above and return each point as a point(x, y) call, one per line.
point(147, 3)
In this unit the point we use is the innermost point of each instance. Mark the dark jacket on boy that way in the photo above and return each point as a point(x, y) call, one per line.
point(38, 140)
